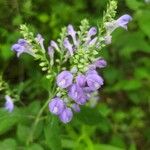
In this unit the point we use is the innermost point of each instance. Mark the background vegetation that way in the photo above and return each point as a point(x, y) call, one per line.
point(120, 121)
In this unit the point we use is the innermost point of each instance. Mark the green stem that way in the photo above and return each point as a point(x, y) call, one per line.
point(37, 119)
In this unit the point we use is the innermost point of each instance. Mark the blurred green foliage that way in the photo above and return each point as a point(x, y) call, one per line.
point(120, 121)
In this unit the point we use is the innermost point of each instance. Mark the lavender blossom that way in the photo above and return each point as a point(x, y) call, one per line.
point(92, 31)
point(54, 45)
point(9, 105)
point(81, 80)
point(66, 115)
point(91, 71)
point(100, 63)
point(120, 22)
point(68, 46)
point(75, 107)
point(123, 21)
point(93, 41)
point(72, 33)
point(56, 106)
point(51, 52)
point(64, 79)
point(94, 81)
point(77, 94)
point(22, 46)
point(40, 40)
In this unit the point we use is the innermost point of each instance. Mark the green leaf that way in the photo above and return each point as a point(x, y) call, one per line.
point(23, 133)
point(43, 18)
point(90, 116)
point(117, 140)
point(69, 144)
point(52, 134)
point(34, 107)
point(35, 147)
point(134, 4)
point(133, 147)
point(8, 144)
point(106, 147)
point(127, 85)
point(7, 120)
point(143, 18)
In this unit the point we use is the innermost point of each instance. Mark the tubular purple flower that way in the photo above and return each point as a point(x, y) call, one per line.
point(72, 33)
point(94, 81)
point(51, 52)
point(56, 106)
point(9, 105)
point(64, 79)
point(123, 21)
point(93, 41)
point(120, 22)
point(92, 31)
point(75, 107)
point(81, 80)
point(22, 42)
point(101, 63)
point(77, 94)
point(68, 46)
point(22, 46)
point(54, 45)
point(40, 40)
point(66, 115)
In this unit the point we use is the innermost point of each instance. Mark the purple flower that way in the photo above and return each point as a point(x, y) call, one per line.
point(81, 80)
point(64, 79)
point(101, 63)
point(72, 33)
point(9, 105)
point(123, 21)
point(18, 48)
point(22, 46)
point(66, 115)
point(54, 45)
point(93, 41)
point(75, 107)
point(94, 81)
point(92, 31)
point(68, 46)
point(51, 52)
point(56, 106)
point(40, 40)
point(91, 71)
point(22, 42)
point(77, 94)
point(120, 22)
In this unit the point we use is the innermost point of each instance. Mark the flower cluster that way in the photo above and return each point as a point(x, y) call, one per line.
point(75, 87)
point(73, 60)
